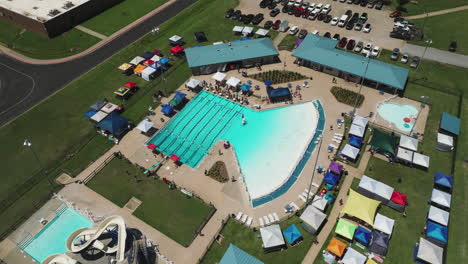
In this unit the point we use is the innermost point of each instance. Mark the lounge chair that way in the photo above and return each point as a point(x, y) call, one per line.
point(302, 198)
point(249, 221)
point(275, 215)
point(338, 134)
point(267, 221)
point(271, 218)
point(294, 205)
point(239, 215)
point(336, 141)
point(244, 218)
point(260, 221)
point(331, 145)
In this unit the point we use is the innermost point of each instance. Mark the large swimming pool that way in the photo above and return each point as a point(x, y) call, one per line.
point(52, 238)
point(271, 148)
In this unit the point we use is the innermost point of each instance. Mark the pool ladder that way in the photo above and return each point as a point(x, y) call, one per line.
point(62, 208)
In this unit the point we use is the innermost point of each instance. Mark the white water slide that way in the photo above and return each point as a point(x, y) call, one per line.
point(59, 259)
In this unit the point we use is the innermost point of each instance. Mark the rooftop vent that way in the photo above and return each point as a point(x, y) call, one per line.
point(35, 7)
point(53, 12)
point(68, 5)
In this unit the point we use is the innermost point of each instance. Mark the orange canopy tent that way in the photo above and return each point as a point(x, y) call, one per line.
point(336, 247)
point(139, 69)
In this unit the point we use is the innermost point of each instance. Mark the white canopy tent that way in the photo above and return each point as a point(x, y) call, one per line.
point(218, 76)
point(148, 73)
point(192, 83)
point(247, 30)
point(350, 151)
point(145, 125)
point(175, 39)
point(357, 130)
point(99, 116)
point(441, 198)
point(233, 81)
point(444, 142)
point(360, 121)
point(312, 219)
point(271, 236)
point(262, 32)
point(421, 160)
point(438, 215)
point(404, 154)
point(384, 224)
point(137, 60)
point(353, 257)
point(109, 108)
point(430, 252)
point(409, 143)
point(155, 58)
point(376, 187)
point(319, 202)
point(238, 29)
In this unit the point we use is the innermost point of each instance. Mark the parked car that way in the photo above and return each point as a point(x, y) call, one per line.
point(453, 46)
point(336, 36)
point(367, 49)
point(305, 5)
point(342, 43)
point(247, 19)
point(349, 13)
point(363, 3)
point(367, 28)
point(351, 44)
point(327, 19)
point(305, 14)
point(302, 34)
point(276, 25)
point(371, 4)
point(274, 12)
point(229, 13)
point(265, 3)
point(258, 18)
point(298, 12)
point(395, 14)
point(395, 54)
point(313, 15)
point(236, 15)
point(359, 46)
point(350, 25)
point(315, 32)
point(363, 18)
point(293, 30)
point(272, 6)
point(356, 2)
point(379, 5)
point(334, 21)
point(326, 9)
point(319, 7)
point(375, 51)
point(268, 24)
point(327, 35)
point(349, 1)
point(321, 17)
point(285, 9)
point(415, 62)
point(404, 58)
point(358, 27)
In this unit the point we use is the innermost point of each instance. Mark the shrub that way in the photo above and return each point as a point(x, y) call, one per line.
point(219, 172)
point(347, 96)
point(278, 76)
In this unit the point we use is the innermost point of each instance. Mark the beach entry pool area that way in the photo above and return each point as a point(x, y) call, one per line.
point(52, 238)
point(401, 115)
point(272, 146)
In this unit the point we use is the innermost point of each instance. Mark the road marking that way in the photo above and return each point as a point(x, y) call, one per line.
point(24, 98)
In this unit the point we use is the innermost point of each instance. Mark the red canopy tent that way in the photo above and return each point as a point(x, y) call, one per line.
point(152, 146)
point(174, 158)
point(130, 84)
point(148, 62)
point(176, 50)
point(398, 201)
point(156, 52)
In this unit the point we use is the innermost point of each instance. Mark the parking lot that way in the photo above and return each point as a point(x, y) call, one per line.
point(381, 23)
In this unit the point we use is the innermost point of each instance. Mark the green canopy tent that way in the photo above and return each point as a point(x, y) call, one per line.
point(345, 229)
point(383, 143)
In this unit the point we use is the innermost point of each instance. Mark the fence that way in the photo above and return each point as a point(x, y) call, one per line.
point(218, 232)
point(99, 168)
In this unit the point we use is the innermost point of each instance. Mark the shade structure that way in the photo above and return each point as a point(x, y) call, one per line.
point(177, 99)
point(148, 73)
point(99, 116)
point(152, 146)
point(109, 107)
point(175, 158)
point(441, 198)
point(450, 123)
point(90, 113)
point(292, 234)
point(444, 142)
point(437, 233)
point(130, 84)
point(138, 69)
point(167, 109)
point(125, 66)
point(97, 106)
point(399, 198)
point(245, 87)
point(350, 151)
point(145, 125)
point(174, 40)
point(374, 189)
point(271, 236)
point(384, 224)
point(353, 257)
point(438, 215)
point(137, 60)
point(114, 123)
point(404, 154)
point(233, 81)
point(337, 247)
point(360, 207)
point(429, 252)
point(155, 58)
point(192, 83)
point(218, 76)
point(312, 219)
point(262, 32)
point(235, 255)
point(331, 178)
point(148, 62)
point(379, 243)
point(384, 143)
point(147, 55)
point(237, 29)
point(335, 167)
point(443, 180)
point(164, 61)
point(319, 202)
point(176, 50)
point(421, 160)
point(345, 229)
point(409, 143)
point(362, 235)
point(355, 141)
point(360, 121)
point(356, 130)
point(247, 30)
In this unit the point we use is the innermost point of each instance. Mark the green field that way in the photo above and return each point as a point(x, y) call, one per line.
point(168, 211)
point(444, 29)
point(35, 46)
point(121, 15)
point(288, 42)
point(424, 6)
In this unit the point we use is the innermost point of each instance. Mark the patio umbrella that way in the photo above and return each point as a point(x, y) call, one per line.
point(152, 146)
point(175, 158)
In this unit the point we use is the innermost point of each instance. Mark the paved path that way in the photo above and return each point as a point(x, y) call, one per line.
point(91, 32)
point(440, 12)
point(437, 55)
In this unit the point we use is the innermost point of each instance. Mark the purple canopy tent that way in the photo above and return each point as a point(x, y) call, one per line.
point(335, 167)
point(298, 42)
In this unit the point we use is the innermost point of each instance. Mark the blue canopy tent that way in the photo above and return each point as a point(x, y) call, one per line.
point(177, 99)
point(331, 178)
point(245, 87)
point(235, 255)
point(115, 124)
point(167, 109)
point(362, 235)
point(90, 113)
point(155, 66)
point(292, 234)
point(278, 94)
point(245, 38)
point(147, 55)
point(436, 233)
point(443, 180)
point(97, 106)
point(355, 141)
point(163, 61)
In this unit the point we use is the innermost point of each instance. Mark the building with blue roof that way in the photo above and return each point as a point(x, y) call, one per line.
point(450, 124)
point(221, 57)
point(321, 54)
point(235, 255)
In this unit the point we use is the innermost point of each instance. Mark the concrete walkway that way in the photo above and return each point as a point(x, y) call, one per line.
point(440, 12)
point(437, 55)
point(91, 32)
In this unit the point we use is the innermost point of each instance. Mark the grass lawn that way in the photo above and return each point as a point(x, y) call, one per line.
point(35, 46)
point(169, 211)
point(121, 15)
point(288, 42)
point(423, 6)
point(249, 241)
point(443, 29)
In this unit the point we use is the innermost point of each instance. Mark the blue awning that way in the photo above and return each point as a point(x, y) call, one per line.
point(147, 55)
point(450, 123)
point(235, 255)
point(167, 109)
point(245, 87)
point(363, 235)
point(355, 141)
point(443, 180)
point(292, 234)
point(436, 231)
point(331, 178)
point(90, 113)
point(114, 124)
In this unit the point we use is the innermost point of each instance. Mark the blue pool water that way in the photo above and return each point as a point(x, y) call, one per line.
point(396, 113)
point(52, 238)
point(271, 148)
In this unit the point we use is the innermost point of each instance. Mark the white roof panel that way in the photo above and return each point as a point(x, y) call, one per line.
point(405, 154)
point(421, 160)
point(438, 215)
point(442, 198)
point(271, 236)
point(409, 143)
point(384, 224)
point(357, 130)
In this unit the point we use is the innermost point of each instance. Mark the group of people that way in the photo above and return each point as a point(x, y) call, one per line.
point(229, 93)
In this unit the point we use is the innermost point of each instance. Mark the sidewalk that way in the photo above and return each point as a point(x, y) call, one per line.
point(440, 12)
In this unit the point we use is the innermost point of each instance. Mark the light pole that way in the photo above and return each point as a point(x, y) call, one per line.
point(362, 82)
point(425, 98)
point(428, 42)
point(313, 172)
point(28, 144)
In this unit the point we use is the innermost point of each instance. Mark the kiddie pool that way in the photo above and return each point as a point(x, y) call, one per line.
point(399, 115)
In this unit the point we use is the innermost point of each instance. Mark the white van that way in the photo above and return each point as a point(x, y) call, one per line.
point(298, 3)
point(326, 9)
point(343, 20)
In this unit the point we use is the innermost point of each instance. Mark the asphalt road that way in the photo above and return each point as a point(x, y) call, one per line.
point(24, 85)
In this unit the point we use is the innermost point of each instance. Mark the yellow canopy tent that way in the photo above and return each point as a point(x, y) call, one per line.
point(371, 261)
point(360, 207)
